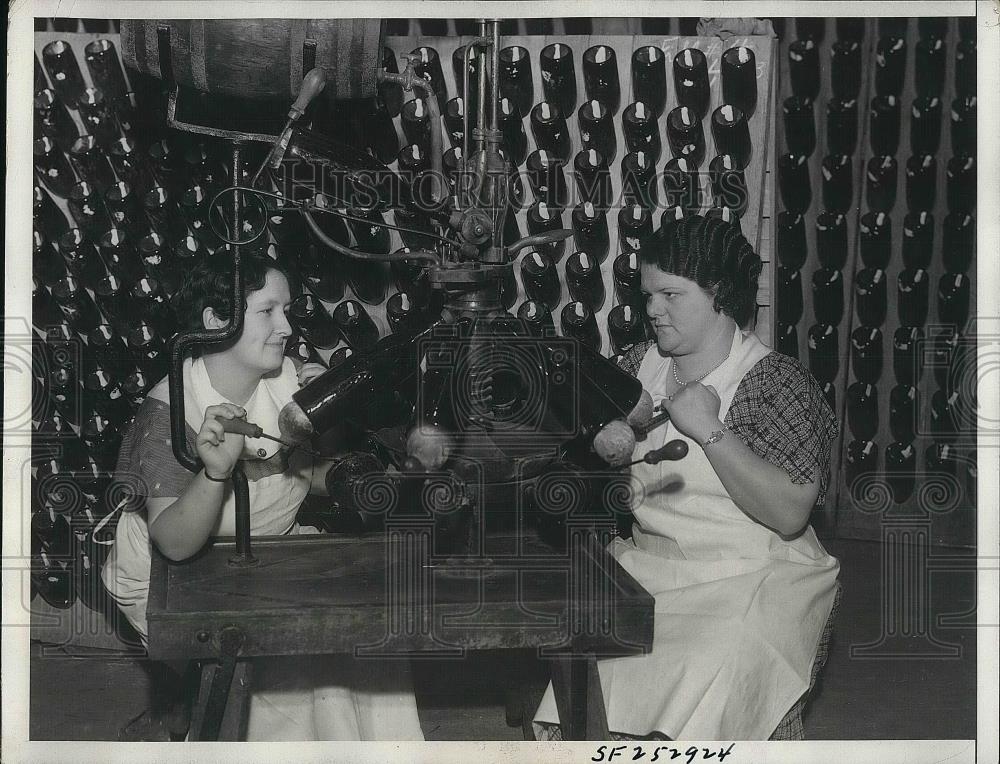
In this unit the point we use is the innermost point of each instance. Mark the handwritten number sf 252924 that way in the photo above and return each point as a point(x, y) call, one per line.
point(659, 753)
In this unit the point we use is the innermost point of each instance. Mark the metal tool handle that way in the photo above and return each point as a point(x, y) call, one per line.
point(242, 427)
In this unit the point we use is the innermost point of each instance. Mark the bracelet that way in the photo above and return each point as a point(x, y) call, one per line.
point(217, 480)
point(716, 436)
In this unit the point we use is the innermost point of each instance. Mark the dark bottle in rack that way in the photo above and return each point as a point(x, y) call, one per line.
point(903, 412)
point(670, 216)
point(590, 231)
point(546, 177)
point(147, 348)
point(790, 237)
point(875, 239)
point(685, 135)
point(548, 125)
point(120, 255)
point(131, 165)
point(883, 131)
point(641, 130)
point(890, 65)
point(921, 182)
point(46, 215)
point(44, 310)
point(930, 27)
point(941, 458)
point(428, 66)
point(593, 178)
point(959, 241)
point(649, 78)
point(355, 325)
point(691, 84)
point(639, 180)
point(578, 321)
point(409, 276)
point(729, 185)
point(368, 280)
point(102, 436)
point(51, 167)
point(597, 129)
point(925, 125)
point(540, 280)
point(451, 164)
point(106, 347)
point(98, 117)
point(625, 272)
point(901, 466)
point(810, 29)
point(64, 391)
point(105, 70)
point(732, 134)
point(298, 349)
point(584, 280)
point(537, 317)
point(559, 76)
point(76, 305)
point(880, 182)
point(787, 340)
point(370, 233)
point(162, 213)
point(960, 184)
point(195, 208)
point(626, 326)
point(726, 215)
point(82, 258)
point(845, 69)
point(417, 226)
point(635, 227)
point(738, 69)
point(918, 239)
point(842, 125)
point(338, 356)
point(862, 410)
point(866, 353)
point(454, 121)
point(965, 67)
point(515, 140)
point(64, 72)
point(945, 417)
point(788, 307)
point(46, 262)
point(824, 355)
point(828, 295)
point(310, 319)
point(390, 94)
point(542, 218)
point(125, 210)
point(112, 297)
point(467, 57)
point(167, 165)
point(102, 392)
point(929, 66)
point(838, 182)
point(203, 167)
point(800, 125)
point(415, 119)
point(907, 354)
point(803, 68)
point(88, 209)
point(53, 121)
point(945, 361)
point(405, 316)
point(912, 295)
point(158, 262)
point(953, 295)
point(870, 296)
point(516, 80)
point(322, 272)
point(681, 185)
point(831, 240)
point(148, 301)
point(600, 76)
point(860, 458)
point(793, 182)
point(412, 160)
point(90, 163)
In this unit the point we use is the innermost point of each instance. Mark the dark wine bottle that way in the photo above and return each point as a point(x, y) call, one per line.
point(800, 125)
point(649, 79)
point(907, 354)
point(98, 118)
point(537, 317)
point(53, 121)
point(824, 355)
point(790, 238)
point(541, 283)
point(691, 81)
point(912, 295)
point(578, 321)
point(51, 167)
point(731, 132)
point(309, 318)
point(929, 66)
point(842, 125)
point(641, 130)
point(862, 410)
point(884, 125)
point(870, 296)
point(925, 125)
point(548, 125)
point(91, 163)
point(803, 68)
point(559, 76)
point(635, 227)
point(918, 239)
point(685, 134)
point(793, 182)
point(76, 305)
point(959, 242)
point(866, 353)
point(105, 70)
point(600, 76)
point(838, 182)
point(845, 69)
point(788, 307)
point(546, 177)
point(64, 72)
point(355, 325)
point(890, 66)
point(516, 81)
point(880, 183)
point(903, 410)
point(541, 218)
point(583, 278)
point(593, 179)
point(861, 458)
point(590, 231)
point(876, 239)
point(597, 129)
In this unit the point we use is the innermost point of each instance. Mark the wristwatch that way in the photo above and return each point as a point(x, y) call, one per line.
point(716, 436)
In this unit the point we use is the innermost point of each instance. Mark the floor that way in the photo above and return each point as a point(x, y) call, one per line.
point(876, 697)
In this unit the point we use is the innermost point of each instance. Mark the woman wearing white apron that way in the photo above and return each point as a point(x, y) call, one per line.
point(742, 586)
point(314, 698)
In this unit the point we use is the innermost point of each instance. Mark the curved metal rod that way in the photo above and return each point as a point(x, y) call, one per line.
point(358, 254)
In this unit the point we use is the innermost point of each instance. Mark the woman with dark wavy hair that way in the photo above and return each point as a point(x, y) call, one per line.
point(178, 511)
point(743, 587)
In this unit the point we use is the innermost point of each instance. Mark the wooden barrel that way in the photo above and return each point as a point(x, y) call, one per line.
point(260, 58)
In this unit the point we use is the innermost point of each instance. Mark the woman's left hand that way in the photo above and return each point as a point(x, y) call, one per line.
point(694, 410)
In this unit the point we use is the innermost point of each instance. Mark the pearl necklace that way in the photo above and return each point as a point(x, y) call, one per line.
point(681, 383)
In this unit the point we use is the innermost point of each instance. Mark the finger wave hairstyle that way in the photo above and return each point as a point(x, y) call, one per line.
point(210, 284)
point(715, 255)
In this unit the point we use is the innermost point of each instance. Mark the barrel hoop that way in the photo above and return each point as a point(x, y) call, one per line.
point(297, 37)
point(199, 67)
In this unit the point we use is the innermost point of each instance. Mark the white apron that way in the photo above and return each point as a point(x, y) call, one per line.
point(739, 612)
point(294, 698)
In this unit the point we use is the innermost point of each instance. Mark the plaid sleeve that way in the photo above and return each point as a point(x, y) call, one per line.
point(780, 412)
point(631, 358)
point(146, 463)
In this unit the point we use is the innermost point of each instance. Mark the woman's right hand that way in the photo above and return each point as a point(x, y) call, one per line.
point(219, 450)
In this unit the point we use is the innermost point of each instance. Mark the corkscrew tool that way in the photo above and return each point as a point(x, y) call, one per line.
point(243, 427)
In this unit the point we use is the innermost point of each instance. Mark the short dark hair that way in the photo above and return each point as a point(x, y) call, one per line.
point(210, 284)
point(715, 255)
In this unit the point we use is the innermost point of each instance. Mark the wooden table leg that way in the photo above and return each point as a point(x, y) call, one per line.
point(579, 699)
point(222, 708)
